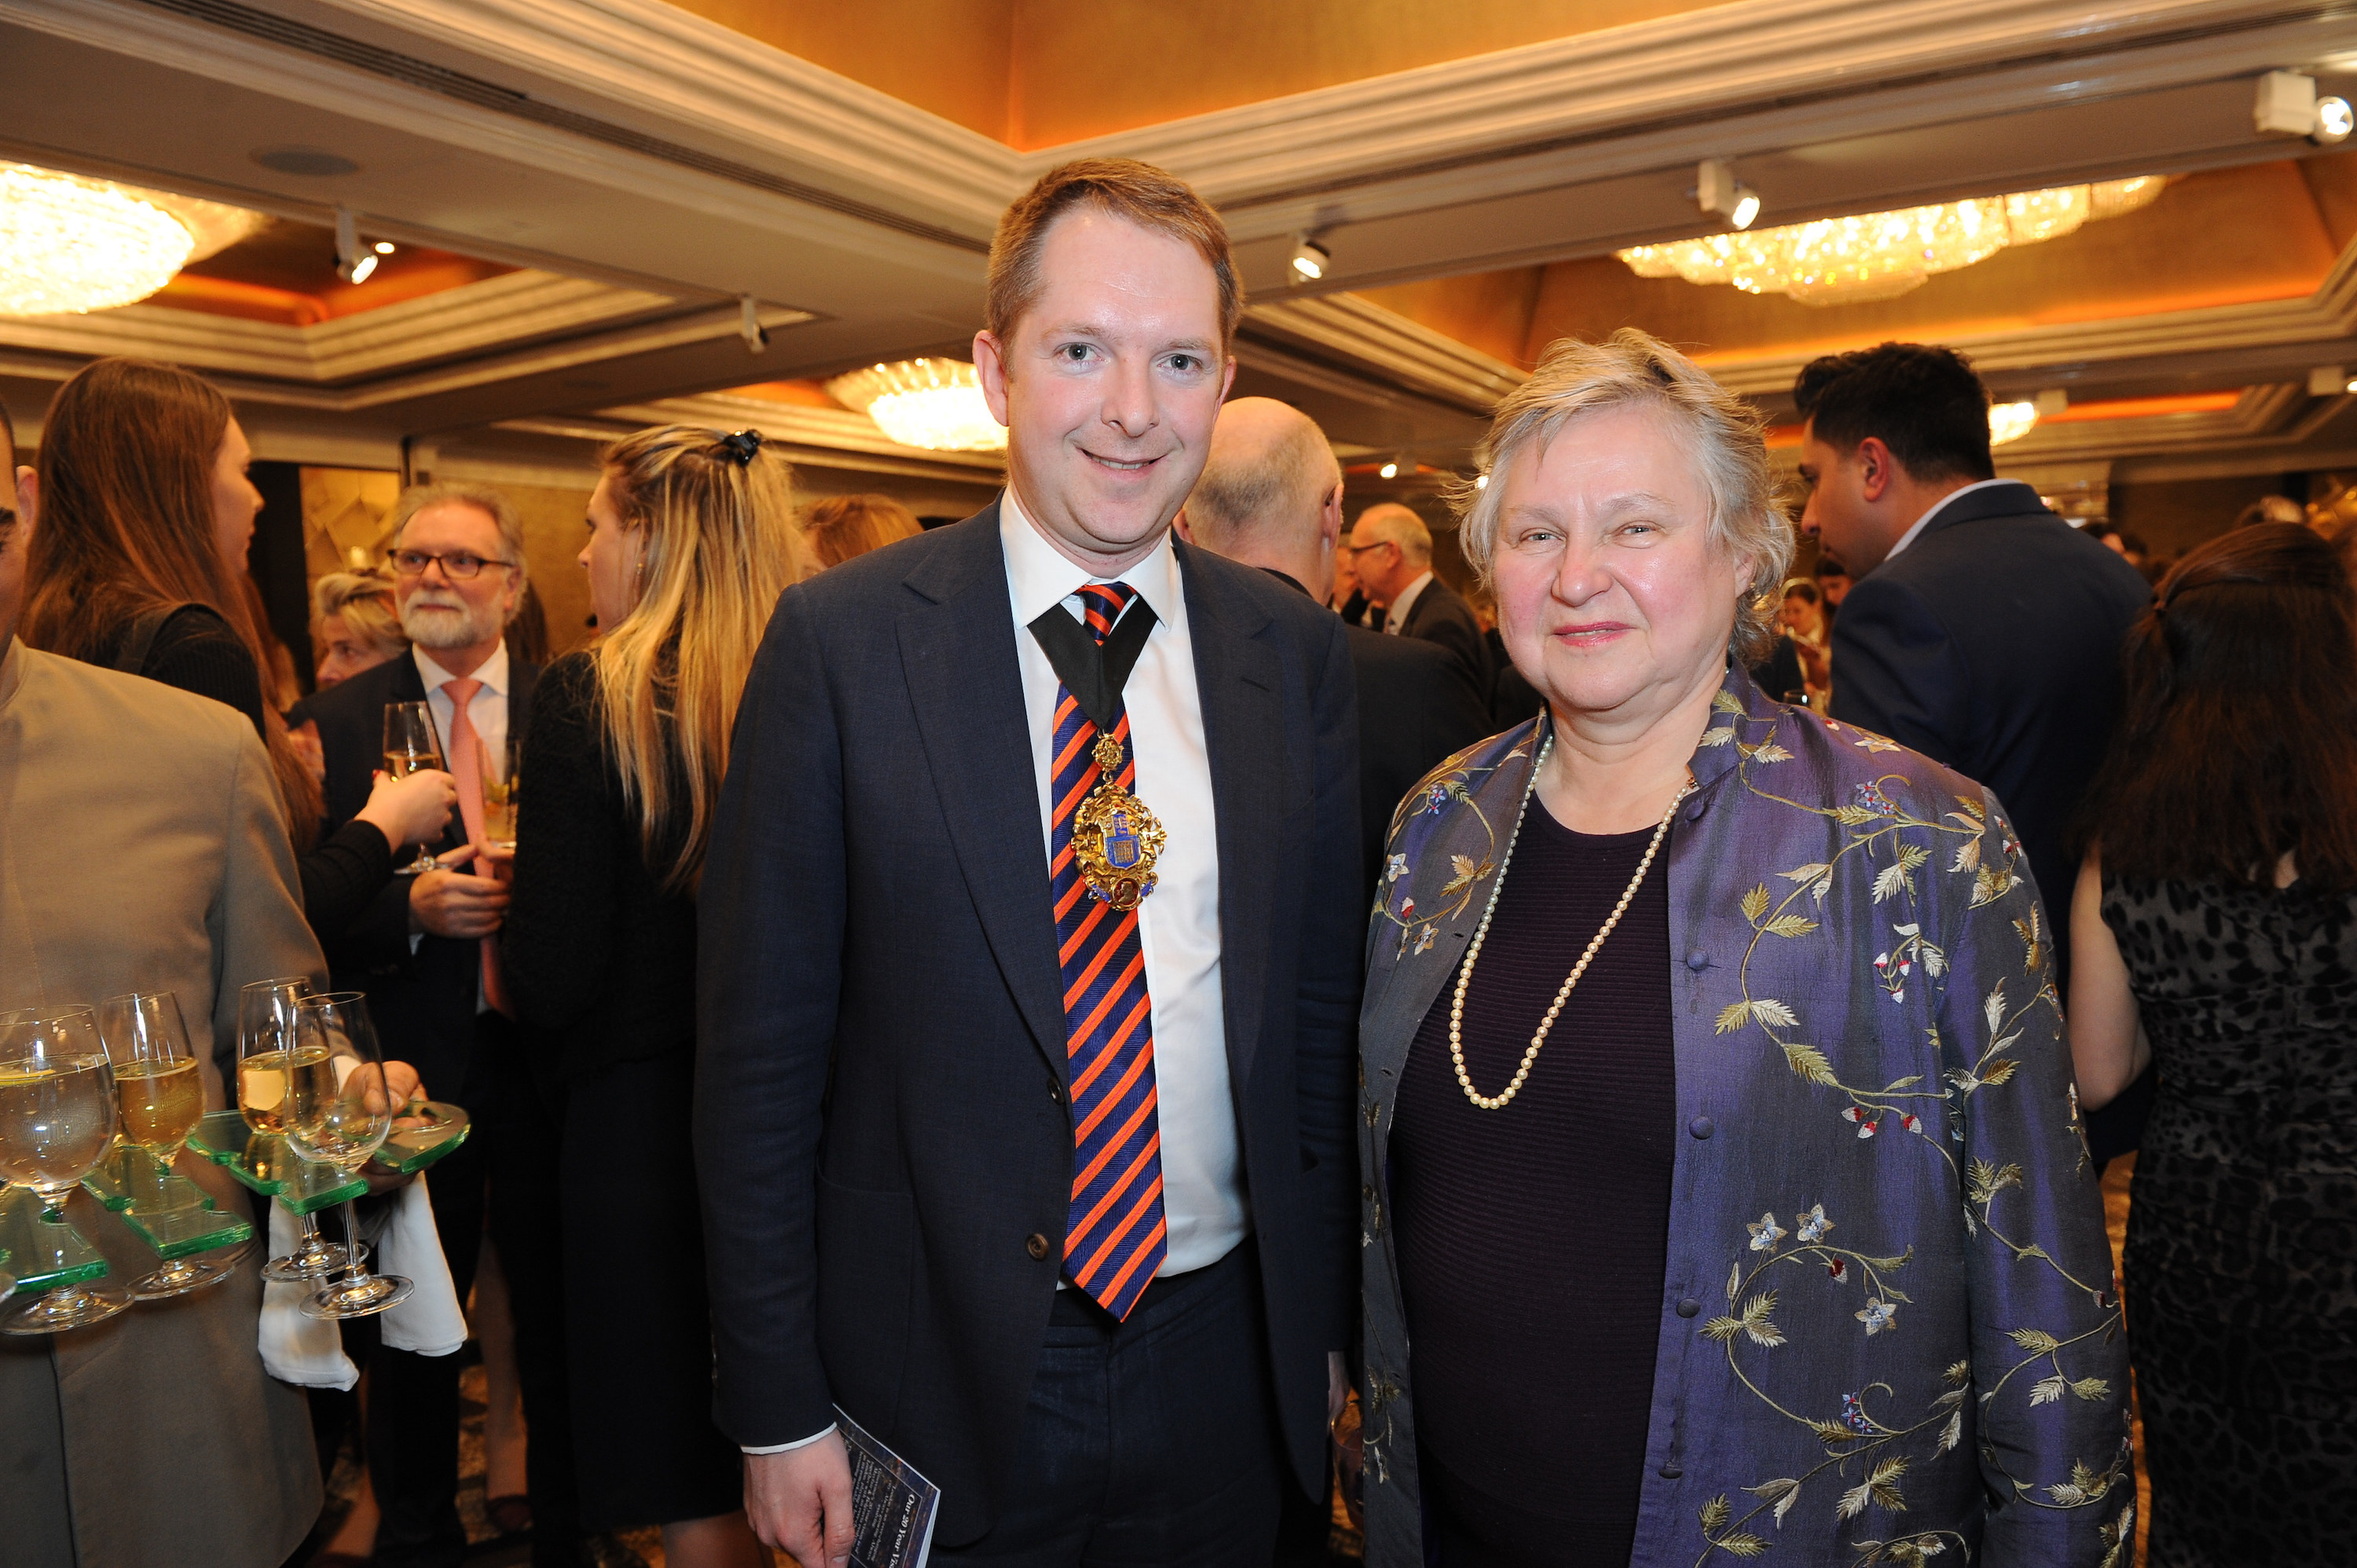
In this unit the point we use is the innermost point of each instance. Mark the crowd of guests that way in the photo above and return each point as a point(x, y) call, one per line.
point(827, 1057)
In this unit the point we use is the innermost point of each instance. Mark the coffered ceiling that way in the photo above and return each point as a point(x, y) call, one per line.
point(584, 194)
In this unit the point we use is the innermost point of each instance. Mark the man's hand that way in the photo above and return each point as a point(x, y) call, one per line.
point(457, 903)
point(800, 1501)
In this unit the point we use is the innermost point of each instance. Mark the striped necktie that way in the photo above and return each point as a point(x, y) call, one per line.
point(1116, 1237)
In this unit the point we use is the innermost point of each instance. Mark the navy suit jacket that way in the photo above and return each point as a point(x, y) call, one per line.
point(423, 1002)
point(881, 1126)
point(1993, 644)
point(1439, 615)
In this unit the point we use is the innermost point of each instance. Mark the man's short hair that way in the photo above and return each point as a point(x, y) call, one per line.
point(1399, 525)
point(1138, 193)
point(1279, 487)
point(482, 498)
point(1923, 401)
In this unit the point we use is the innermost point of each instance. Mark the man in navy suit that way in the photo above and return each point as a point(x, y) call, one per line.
point(1982, 629)
point(1029, 968)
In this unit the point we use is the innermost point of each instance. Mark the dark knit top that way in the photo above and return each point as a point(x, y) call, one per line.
point(195, 652)
point(599, 958)
point(1531, 1239)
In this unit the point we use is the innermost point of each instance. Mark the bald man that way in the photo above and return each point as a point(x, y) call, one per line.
point(1271, 495)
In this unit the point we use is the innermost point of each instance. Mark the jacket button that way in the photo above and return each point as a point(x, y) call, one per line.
point(1671, 1472)
point(1697, 959)
point(1036, 1246)
point(1055, 1092)
point(1689, 1308)
point(1701, 1127)
point(1694, 812)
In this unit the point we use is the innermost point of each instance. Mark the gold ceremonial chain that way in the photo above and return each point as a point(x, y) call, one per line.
point(1465, 976)
point(1115, 838)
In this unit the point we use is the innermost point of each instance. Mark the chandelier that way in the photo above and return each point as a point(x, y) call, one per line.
point(69, 245)
point(1879, 256)
point(933, 404)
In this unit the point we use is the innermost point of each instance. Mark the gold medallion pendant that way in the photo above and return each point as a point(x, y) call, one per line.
point(1115, 839)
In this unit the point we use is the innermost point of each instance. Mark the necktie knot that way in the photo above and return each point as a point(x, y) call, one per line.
point(1103, 603)
point(462, 691)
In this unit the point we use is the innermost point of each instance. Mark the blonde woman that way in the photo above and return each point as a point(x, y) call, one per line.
point(842, 528)
point(354, 625)
point(691, 541)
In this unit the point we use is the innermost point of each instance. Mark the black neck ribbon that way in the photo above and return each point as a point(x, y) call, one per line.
point(1095, 672)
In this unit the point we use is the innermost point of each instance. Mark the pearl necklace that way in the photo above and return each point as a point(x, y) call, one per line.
point(1465, 976)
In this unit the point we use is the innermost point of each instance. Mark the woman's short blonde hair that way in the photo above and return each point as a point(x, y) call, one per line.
point(364, 601)
point(1633, 368)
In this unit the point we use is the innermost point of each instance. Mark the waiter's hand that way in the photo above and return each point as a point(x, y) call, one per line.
point(457, 903)
point(800, 1501)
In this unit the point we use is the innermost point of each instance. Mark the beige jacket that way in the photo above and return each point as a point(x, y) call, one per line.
point(143, 847)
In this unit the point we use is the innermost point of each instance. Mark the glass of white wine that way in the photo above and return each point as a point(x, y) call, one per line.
point(502, 775)
point(411, 746)
point(160, 1095)
point(339, 1110)
point(265, 1047)
point(57, 1121)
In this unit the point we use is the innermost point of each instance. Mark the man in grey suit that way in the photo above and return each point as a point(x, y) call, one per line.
point(1030, 947)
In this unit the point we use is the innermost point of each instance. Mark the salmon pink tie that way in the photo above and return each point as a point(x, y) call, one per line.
point(467, 769)
point(1115, 1238)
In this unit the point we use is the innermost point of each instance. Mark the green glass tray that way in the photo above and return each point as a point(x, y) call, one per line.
point(43, 1255)
point(424, 1134)
point(170, 1213)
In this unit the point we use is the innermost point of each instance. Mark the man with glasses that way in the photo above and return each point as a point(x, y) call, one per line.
point(426, 951)
point(1390, 549)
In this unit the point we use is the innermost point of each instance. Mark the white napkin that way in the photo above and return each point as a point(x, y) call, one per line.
point(429, 1322)
point(304, 1351)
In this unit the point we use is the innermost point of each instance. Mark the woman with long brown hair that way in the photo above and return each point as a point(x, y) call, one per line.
point(692, 540)
point(139, 565)
point(2214, 934)
point(842, 527)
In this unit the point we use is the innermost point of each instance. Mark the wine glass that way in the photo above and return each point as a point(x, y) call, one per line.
point(410, 745)
point(57, 1121)
point(160, 1095)
point(502, 777)
point(338, 1111)
point(266, 1042)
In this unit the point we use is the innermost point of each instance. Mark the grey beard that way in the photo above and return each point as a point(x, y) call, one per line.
point(432, 626)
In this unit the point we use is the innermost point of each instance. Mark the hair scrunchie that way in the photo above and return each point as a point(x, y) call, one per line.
point(741, 444)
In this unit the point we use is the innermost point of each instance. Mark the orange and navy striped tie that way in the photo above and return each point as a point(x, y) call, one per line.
point(1116, 1237)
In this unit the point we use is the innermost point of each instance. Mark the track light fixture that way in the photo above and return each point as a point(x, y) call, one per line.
point(1310, 260)
point(353, 263)
point(1719, 193)
point(1390, 470)
point(2288, 105)
point(748, 325)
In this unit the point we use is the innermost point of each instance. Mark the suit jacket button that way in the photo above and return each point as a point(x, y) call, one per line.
point(1036, 1246)
point(1697, 959)
point(1671, 1472)
point(1689, 1308)
point(1701, 1127)
point(1055, 1092)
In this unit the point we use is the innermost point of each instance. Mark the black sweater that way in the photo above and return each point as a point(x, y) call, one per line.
point(597, 958)
point(195, 652)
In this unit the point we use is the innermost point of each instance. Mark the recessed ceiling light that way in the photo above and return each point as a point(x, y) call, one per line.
point(384, 247)
point(315, 163)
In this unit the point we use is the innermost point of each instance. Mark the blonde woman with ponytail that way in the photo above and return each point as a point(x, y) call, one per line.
point(691, 541)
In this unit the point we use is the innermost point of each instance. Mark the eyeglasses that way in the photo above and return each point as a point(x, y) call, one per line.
point(1360, 549)
point(458, 565)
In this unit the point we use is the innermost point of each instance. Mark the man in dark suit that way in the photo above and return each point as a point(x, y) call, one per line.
point(993, 1045)
point(1271, 496)
point(424, 950)
point(1391, 551)
point(1982, 629)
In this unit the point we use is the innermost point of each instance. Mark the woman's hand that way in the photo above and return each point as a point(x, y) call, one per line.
point(412, 810)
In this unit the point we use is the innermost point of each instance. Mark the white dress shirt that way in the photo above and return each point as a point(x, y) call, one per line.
point(1937, 507)
point(488, 710)
point(1179, 923)
point(1396, 615)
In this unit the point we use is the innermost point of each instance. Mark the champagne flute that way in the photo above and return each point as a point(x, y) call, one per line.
point(412, 745)
point(160, 1094)
point(265, 1047)
point(57, 1121)
point(339, 1110)
point(502, 776)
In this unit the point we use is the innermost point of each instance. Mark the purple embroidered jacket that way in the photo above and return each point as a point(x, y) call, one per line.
point(1889, 1327)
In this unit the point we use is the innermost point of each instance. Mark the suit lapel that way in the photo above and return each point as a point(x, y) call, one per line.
point(957, 654)
point(1237, 681)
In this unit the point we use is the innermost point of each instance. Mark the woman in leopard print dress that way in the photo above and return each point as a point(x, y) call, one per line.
point(2215, 932)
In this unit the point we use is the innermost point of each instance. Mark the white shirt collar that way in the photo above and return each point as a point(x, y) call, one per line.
point(1040, 577)
point(1395, 613)
point(492, 672)
point(1936, 508)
